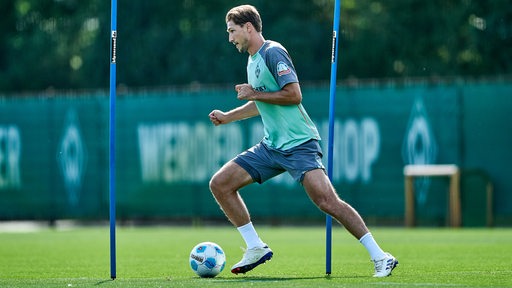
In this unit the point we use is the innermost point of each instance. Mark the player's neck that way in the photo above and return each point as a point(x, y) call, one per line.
point(256, 45)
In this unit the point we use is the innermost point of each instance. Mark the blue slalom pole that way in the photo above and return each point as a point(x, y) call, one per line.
point(112, 137)
point(332, 104)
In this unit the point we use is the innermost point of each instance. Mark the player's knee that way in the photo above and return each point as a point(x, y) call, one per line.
point(217, 185)
point(214, 184)
point(324, 204)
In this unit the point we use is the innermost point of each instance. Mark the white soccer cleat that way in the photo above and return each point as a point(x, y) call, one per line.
point(252, 258)
point(384, 266)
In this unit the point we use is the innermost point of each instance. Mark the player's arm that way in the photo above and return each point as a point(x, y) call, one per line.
point(290, 94)
point(245, 111)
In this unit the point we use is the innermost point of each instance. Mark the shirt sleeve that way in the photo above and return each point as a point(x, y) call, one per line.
point(280, 65)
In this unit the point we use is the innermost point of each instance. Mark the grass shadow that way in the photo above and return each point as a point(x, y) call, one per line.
point(104, 281)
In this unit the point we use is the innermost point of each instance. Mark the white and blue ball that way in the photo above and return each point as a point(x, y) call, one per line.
point(207, 259)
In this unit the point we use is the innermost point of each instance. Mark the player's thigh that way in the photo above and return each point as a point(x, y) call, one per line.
point(319, 187)
point(230, 177)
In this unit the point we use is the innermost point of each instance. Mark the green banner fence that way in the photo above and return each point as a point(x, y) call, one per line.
point(54, 153)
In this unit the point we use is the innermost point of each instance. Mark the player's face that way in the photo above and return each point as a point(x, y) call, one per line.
point(237, 36)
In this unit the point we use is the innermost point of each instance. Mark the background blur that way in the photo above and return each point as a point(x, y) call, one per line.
point(420, 82)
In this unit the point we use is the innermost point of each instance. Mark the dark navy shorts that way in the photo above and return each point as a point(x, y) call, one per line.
point(263, 162)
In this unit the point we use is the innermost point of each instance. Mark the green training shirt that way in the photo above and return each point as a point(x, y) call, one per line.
point(286, 126)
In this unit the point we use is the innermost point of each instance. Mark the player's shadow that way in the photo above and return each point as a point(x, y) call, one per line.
point(265, 279)
point(274, 279)
point(259, 279)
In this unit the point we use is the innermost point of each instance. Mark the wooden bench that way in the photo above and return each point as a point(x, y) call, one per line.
point(452, 171)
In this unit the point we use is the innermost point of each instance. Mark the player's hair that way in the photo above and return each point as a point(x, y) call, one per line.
point(243, 14)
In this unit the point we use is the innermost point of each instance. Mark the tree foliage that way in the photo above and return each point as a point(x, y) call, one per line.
point(64, 44)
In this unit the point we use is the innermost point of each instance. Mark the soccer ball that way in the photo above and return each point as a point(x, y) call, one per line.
point(207, 259)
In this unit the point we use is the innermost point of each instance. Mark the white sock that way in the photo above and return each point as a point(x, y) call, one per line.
point(250, 236)
point(373, 248)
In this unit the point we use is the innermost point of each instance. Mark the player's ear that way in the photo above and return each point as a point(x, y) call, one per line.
point(249, 26)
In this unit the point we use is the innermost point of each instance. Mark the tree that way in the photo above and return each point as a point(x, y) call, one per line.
point(64, 44)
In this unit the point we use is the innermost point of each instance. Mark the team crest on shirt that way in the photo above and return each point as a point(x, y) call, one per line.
point(283, 69)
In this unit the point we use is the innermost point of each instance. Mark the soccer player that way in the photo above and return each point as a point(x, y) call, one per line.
point(290, 144)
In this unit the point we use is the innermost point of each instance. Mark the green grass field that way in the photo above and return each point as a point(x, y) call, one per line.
point(158, 257)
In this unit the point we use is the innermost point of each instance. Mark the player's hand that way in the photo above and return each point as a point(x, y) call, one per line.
point(217, 117)
point(245, 92)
